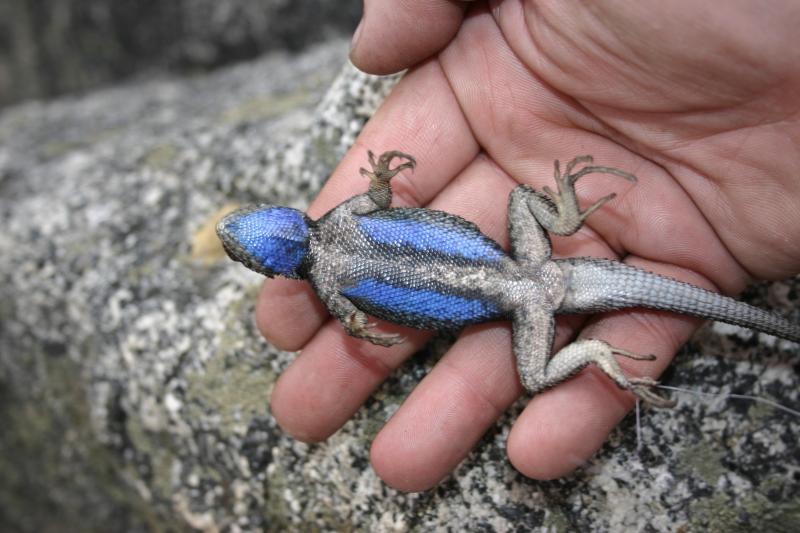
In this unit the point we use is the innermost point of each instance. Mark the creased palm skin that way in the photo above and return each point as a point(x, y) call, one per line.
point(699, 102)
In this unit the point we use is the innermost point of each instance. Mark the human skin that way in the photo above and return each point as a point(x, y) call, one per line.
point(700, 103)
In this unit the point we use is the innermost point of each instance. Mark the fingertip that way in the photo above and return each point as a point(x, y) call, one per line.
point(393, 35)
point(298, 431)
point(426, 438)
point(400, 474)
point(288, 313)
point(561, 429)
point(448, 412)
point(330, 380)
point(295, 411)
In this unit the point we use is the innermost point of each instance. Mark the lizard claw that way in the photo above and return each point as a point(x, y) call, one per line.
point(633, 355)
point(558, 211)
point(356, 325)
point(643, 388)
point(385, 339)
point(381, 169)
point(571, 178)
point(379, 190)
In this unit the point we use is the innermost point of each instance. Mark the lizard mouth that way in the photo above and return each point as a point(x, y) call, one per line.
point(229, 243)
point(228, 250)
point(226, 231)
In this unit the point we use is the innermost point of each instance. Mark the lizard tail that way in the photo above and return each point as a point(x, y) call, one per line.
point(596, 285)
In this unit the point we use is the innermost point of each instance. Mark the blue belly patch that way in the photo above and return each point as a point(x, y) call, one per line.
point(433, 231)
point(426, 307)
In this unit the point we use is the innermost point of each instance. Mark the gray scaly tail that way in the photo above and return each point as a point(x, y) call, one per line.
point(596, 285)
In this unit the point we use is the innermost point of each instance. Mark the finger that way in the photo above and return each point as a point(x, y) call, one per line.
point(334, 374)
point(561, 428)
point(420, 117)
point(396, 34)
point(332, 377)
point(446, 414)
point(288, 313)
point(450, 410)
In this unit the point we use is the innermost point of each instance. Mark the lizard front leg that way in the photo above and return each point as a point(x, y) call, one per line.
point(357, 325)
point(355, 321)
point(380, 192)
point(558, 211)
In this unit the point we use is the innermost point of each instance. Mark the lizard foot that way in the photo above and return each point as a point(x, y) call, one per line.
point(575, 356)
point(643, 388)
point(632, 355)
point(381, 171)
point(379, 190)
point(558, 211)
point(356, 325)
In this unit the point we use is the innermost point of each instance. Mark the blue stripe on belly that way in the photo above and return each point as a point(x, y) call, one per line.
point(448, 239)
point(389, 301)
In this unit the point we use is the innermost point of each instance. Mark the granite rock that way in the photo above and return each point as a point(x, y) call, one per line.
point(52, 47)
point(134, 385)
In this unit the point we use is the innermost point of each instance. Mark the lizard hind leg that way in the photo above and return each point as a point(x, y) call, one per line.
point(575, 356)
point(558, 211)
point(533, 336)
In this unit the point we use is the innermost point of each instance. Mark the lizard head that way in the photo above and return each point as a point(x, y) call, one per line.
point(267, 239)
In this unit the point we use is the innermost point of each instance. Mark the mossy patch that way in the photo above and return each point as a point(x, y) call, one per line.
point(161, 156)
point(206, 246)
point(265, 108)
point(705, 460)
point(755, 513)
point(232, 388)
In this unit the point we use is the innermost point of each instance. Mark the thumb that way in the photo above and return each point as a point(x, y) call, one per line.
point(396, 34)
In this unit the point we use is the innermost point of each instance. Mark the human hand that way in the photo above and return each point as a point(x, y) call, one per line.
point(700, 103)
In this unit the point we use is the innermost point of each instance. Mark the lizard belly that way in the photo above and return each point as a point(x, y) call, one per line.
point(415, 267)
point(436, 296)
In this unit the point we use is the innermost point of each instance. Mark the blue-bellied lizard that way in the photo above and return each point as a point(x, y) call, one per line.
point(433, 270)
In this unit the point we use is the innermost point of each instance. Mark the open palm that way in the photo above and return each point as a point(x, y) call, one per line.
point(701, 104)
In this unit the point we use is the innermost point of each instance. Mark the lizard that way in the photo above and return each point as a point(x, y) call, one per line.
point(433, 270)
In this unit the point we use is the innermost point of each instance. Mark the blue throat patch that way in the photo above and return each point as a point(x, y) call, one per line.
point(277, 237)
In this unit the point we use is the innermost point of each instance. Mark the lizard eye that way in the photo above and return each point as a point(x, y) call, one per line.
point(268, 239)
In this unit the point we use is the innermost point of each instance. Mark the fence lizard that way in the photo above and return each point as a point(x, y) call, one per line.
point(433, 270)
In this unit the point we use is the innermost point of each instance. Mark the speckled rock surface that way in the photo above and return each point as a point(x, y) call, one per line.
point(134, 386)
